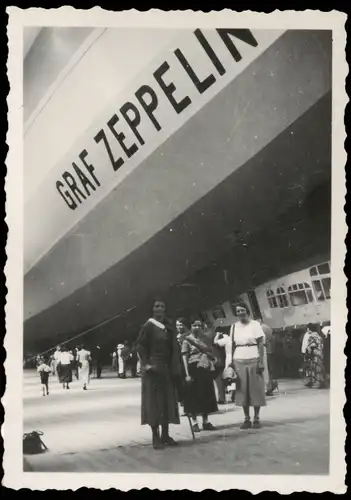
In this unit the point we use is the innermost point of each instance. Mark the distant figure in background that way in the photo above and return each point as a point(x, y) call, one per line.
point(52, 363)
point(98, 361)
point(289, 354)
point(65, 367)
point(312, 348)
point(57, 355)
point(133, 361)
point(120, 361)
point(44, 371)
point(75, 370)
point(126, 354)
point(83, 360)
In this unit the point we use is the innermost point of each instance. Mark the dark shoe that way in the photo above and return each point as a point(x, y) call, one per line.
point(196, 428)
point(256, 424)
point(156, 443)
point(246, 425)
point(168, 441)
point(208, 427)
point(269, 393)
point(221, 402)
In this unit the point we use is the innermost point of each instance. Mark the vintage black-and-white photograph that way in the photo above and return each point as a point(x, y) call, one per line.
point(177, 250)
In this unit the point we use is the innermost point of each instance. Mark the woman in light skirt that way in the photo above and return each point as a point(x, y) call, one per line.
point(248, 362)
point(84, 359)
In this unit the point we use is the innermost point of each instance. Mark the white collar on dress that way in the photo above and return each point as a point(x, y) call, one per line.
point(157, 323)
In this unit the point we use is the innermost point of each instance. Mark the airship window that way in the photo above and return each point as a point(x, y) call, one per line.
point(282, 297)
point(272, 301)
point(300, 294)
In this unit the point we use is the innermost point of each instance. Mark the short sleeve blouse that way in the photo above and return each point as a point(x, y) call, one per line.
point(245, 338)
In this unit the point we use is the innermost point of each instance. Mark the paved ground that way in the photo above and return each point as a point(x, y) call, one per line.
point(98, 431)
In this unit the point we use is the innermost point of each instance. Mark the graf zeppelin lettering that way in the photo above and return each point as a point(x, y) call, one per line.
point(79, 182)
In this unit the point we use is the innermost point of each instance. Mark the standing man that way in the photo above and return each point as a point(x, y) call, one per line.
point(120, 361)
point(114, 366)
point(98, 361)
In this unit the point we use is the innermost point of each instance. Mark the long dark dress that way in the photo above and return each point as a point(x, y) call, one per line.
point(199, 395)
point(158, 347)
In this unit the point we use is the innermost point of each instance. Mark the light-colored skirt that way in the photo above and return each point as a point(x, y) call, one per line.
point(83, 372)
point(250, 387)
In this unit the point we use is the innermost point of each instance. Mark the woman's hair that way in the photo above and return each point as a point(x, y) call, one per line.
point(312, 327)
point(158, 298)
point(195, 318)
point(243, 305)
point(184, 321)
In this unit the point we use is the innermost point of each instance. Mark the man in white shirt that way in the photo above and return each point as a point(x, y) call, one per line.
point(57, 356)
point(223, 340)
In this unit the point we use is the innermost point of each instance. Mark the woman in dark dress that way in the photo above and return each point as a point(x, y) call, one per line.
point(160, 365)
point(199, 392)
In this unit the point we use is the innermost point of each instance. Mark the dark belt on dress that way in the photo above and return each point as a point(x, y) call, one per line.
point(246, 345)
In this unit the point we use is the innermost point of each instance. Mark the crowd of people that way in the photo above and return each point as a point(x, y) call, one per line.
point(67, 364)
point(81, 364)
point(182, 368)
point(186, 367)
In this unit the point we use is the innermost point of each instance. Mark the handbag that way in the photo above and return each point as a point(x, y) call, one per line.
point(32, 443)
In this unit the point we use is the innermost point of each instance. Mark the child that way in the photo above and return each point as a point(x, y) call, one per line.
point(44, 372)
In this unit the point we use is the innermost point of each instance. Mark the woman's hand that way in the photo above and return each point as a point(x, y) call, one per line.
point(188, 379)
point(148, 367)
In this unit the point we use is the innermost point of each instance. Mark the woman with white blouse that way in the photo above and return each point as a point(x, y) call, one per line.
point(248, 339)
point(84, 359)
point(65, 367)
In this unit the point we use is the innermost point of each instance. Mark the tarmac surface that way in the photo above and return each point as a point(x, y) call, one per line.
point(99, 430)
